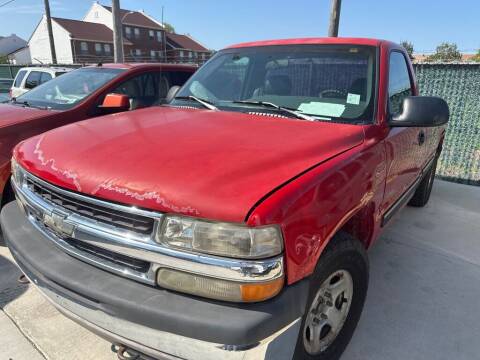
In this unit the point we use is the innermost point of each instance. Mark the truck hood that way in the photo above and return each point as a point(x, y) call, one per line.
point(13, 114)
point(211, 164)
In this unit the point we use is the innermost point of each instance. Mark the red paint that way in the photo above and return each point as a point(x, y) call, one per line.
point(18, 123)
point(236, 167)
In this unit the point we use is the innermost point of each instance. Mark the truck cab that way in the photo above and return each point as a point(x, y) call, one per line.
point(234, 221)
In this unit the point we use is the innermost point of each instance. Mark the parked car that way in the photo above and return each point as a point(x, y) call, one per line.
point(5, 85)
point(29, 78)
point(81, 94)
point(232, 223)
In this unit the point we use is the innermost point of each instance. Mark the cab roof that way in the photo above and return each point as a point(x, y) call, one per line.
point(145, 65)
point(313, 41)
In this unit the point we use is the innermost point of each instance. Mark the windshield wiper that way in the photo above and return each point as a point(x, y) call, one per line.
point(27, 104)
point(205, 103)
point(270, 105)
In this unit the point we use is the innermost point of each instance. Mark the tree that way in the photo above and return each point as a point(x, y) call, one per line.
point(409, 47)
point(169, 27)
point(3, 59)
point(446, 52)
point(477, 56)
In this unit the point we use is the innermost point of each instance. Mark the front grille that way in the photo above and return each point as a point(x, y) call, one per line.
point(123, 220)
point(122, 260)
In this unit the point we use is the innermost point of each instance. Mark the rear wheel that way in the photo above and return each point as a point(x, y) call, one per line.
point(337, 294)
point(422, 194)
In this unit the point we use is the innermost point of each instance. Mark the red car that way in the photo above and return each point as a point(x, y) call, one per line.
point(80, 95)
point(232, 223)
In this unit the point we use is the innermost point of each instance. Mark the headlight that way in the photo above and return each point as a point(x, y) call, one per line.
point(17, 173)
point(221, 239)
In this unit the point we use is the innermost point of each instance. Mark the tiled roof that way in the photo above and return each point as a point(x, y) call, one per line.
point(185, 42)
point(136, 18)
point(84, 30)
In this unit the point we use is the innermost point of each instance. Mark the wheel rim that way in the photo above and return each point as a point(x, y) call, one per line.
point(328, 312)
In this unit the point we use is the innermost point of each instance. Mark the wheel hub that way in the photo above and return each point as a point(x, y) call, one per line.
point(328, 312)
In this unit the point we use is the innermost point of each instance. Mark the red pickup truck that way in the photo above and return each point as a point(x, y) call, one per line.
point(79, 95)
point(233, 222)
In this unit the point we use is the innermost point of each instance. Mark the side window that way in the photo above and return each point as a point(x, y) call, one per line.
point(45, 77)
point(399, 85)
point(33, 80)
point(19, 78)
point(144, 90)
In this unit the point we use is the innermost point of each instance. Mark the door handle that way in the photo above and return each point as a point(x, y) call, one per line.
point(421, 137)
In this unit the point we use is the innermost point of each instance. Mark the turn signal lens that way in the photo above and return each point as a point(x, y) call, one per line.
point(217, 288)
point(17, 172)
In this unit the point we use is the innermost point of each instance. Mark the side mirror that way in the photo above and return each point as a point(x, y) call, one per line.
point(172, 92)
point(421, 111)
point(116, 102)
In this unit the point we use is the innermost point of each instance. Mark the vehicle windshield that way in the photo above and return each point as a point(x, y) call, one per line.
point(66, 91)
point(326, 82)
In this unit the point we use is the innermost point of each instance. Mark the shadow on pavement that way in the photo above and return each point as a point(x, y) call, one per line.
point(10, 288)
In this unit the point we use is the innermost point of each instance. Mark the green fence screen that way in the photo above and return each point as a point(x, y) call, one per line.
point(459, 85)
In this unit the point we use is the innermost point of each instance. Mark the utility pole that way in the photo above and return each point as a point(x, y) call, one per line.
point(117, 32)
point(164, 42)
point(50, 32)
point(334, 18)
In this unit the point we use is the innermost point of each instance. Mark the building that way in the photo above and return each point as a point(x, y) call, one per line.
point(146, 35)
point(75, 42)
point(90, 40)
point(183, 48)
point(9, 44)
point(20, 56)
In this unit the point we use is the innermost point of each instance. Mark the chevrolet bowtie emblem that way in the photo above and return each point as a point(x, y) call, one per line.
point(56, 222)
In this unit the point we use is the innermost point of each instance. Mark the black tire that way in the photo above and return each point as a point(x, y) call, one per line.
point(343, 253)
point(422, 194)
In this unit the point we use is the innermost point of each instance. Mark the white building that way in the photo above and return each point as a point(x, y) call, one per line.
point(20, 57)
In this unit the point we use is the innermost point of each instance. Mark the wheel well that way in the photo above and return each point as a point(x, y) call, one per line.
point(8, 194)
point(361, 225)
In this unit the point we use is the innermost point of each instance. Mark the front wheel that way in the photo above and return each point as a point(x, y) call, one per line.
point(337, 293)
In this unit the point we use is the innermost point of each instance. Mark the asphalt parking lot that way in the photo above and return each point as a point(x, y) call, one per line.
point(423, 301)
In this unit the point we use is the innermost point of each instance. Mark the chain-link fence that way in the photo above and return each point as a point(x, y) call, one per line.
point(459, 85)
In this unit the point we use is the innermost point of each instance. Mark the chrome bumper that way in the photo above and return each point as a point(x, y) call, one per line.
point(166, 346)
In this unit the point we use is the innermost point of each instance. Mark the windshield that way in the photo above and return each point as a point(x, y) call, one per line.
point(328, 82)
point(64, 92)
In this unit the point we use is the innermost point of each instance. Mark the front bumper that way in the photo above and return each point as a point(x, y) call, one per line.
point(154, 321)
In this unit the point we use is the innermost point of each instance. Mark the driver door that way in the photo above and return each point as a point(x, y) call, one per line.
point(403, 145)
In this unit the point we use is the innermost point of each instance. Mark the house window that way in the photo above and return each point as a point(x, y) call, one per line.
point(138, 52)
point(107, 49)
point(181, 53)
point(159, 36)
point(190, 55)
point(137, 33)
point(128, 31)
point(153, 54)
point(203, 56)
point(83, 47)
point(151, 35)
point(96, 15)
point(98, 48)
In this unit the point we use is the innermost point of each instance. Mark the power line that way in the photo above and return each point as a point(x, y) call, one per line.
point(6, 3)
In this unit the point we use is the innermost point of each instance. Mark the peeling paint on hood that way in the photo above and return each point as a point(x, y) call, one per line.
point(212, 164)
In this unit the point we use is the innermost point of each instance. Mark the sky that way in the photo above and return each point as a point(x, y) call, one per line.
point(219, 23)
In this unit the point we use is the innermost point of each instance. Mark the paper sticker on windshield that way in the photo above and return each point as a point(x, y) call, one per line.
point(322, 109)
point(353, 99)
